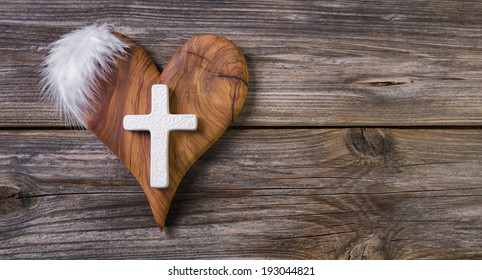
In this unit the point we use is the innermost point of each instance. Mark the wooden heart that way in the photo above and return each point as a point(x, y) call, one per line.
point(207, 77)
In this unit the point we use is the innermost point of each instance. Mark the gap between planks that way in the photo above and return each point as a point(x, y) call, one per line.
point(284, 127)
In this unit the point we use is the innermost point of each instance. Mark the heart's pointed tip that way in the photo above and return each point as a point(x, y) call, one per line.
point(160, 227)
point(159, 200)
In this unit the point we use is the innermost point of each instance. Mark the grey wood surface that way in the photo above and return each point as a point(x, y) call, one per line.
point(317, 63)
point(297, 193)
point(360, 138)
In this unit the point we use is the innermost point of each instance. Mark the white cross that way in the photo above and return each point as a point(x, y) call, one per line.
point(159, 123)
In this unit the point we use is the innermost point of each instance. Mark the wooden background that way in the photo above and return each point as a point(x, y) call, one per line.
point(361, 137)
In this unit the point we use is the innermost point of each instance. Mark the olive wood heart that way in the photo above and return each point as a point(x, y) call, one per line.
point(207, 77)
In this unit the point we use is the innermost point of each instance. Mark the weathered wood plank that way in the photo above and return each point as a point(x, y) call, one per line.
point(311, 62)
point(284, 193)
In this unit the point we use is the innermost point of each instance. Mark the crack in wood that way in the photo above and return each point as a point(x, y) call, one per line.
point(384, 82)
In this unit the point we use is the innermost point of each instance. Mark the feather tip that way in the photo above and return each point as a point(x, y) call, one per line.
point(72, 67)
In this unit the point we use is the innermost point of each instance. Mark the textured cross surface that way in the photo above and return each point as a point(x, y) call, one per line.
point(159, 123)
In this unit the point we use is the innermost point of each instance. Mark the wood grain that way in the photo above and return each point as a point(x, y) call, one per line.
point(359, 192)
point(312, 63)
point(207, 77)
point(282, 193)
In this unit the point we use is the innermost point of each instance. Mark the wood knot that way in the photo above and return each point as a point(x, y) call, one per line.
point(15, 195)
point(372, 248)
point(12, 199)
point(369, 142)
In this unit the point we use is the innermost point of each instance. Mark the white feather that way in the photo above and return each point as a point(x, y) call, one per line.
point(73, 65)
